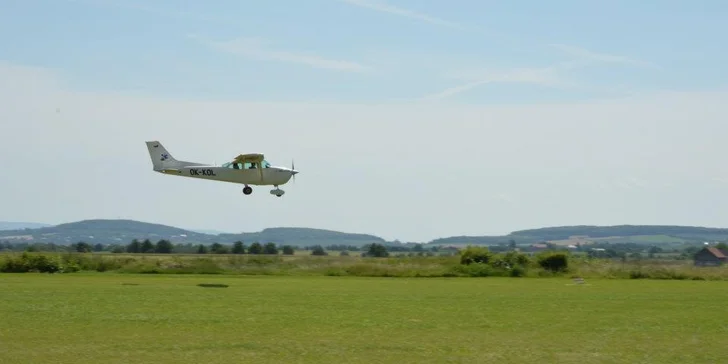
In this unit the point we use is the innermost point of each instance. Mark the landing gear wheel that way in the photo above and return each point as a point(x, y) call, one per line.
point(277, 192)
point(247, 190)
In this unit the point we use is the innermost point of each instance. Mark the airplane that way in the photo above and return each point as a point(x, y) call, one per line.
point(247, 169)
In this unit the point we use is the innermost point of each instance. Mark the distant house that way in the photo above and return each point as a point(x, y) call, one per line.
point(710, 256)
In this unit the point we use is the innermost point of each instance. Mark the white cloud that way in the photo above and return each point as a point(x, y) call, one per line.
point(587, 55)
point(256, 48)
point(391, 9)
point(438, 168)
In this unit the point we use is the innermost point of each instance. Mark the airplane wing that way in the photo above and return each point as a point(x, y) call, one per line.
point(249, 158)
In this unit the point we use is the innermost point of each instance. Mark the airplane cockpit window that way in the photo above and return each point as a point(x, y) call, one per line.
point(233, 165)
point(247, 165)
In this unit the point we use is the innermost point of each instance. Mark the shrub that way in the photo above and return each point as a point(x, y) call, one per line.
point(32, 262)
point(318, 250)
point(476, 269)
point(554, 262)
point(518, 271)
point(475, 254)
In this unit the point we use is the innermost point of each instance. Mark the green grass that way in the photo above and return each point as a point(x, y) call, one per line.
point(122, 318)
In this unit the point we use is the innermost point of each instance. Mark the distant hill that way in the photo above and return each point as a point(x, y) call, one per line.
point(646, 234)
point(123, 231)
point(209, 231)
point(304, 237)
point(12, 225)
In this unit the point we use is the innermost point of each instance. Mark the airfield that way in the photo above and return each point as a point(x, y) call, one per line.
point(222, 308)
point(120, 318)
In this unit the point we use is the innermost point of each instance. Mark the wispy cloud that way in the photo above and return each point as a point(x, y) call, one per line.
point(391, 9)
point(584, 54)
point(256, 48)
point(546, 76)
point(145, 7)
point(552, 76)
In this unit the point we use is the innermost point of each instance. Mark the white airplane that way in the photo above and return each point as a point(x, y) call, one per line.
point(247, 169)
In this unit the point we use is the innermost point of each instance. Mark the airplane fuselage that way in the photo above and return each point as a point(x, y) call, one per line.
point(272, 176)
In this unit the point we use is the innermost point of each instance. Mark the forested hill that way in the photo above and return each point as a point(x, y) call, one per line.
point(15, 225)
point(635, 233)
point(123, 231)
point(564, 232)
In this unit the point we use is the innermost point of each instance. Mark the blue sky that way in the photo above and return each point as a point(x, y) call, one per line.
point(404, 49)
point(411, 120)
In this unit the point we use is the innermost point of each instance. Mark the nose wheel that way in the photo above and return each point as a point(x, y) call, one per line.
point(247, 190)
point(277, 192)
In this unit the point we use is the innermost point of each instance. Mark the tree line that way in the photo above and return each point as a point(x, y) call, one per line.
point(164, 246)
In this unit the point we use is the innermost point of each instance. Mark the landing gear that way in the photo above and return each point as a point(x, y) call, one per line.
point(277, 191)
point(247, 190)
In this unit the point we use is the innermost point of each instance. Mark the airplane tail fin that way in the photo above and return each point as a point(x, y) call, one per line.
point(161, 158)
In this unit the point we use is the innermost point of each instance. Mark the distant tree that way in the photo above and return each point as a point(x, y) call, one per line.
point(722, 246)
point(344, 253)
point(238, 247)
point(201, 249)
point(218, 248)
point(117, 249)
point(99, 247)
point(255, 248)
point(164, 247)
point(82, 247)
point(288, 250)
point(270, 248)
point(512, 244)
point(147, 246)
point(318, 250)
point(377, 250)
point(653, 250)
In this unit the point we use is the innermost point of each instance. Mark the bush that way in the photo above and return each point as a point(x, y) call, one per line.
point(472, 270)
point(32, 262)
point(518, 271)
point(318, 250)
point(554, 262)
point(475, 254)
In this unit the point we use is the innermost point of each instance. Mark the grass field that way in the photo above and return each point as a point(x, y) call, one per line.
point(122, 318)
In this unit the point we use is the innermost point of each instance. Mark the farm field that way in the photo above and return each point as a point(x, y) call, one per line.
point(121, 318)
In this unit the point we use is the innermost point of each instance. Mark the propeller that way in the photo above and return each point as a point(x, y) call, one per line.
point(293, 168)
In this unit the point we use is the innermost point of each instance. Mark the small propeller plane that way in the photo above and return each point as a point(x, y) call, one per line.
point(247, 169)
